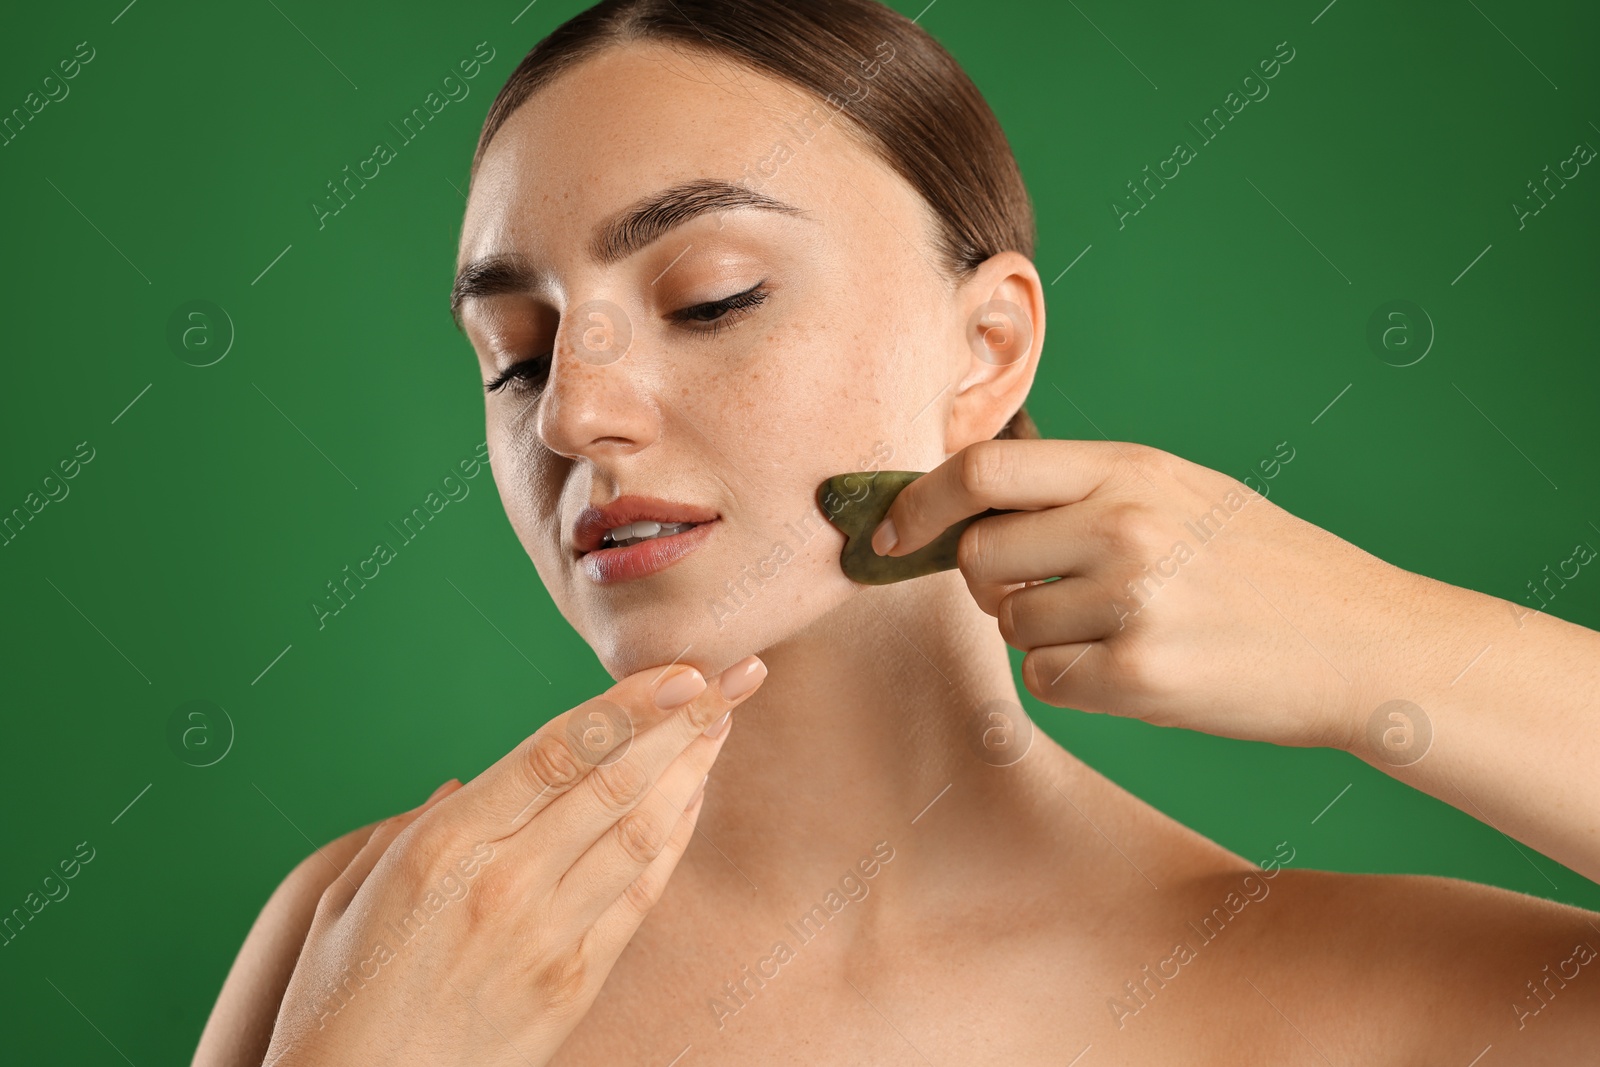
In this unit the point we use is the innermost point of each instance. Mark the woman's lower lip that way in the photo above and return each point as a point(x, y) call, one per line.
point(607, 565)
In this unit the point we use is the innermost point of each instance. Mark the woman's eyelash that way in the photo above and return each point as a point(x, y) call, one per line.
point(523, 370)
point(720, 313)
point(708, 318)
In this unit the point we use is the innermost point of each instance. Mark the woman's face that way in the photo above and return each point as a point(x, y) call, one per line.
point(628, 378)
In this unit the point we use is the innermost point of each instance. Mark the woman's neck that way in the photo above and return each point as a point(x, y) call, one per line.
point(876, 723)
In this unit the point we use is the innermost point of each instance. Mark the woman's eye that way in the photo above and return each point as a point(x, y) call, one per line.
point(525, 373)
point(708, 318)
point(719, 313)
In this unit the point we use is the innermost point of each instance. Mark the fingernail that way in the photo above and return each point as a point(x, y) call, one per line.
point(884, 538)
point(701, 788)
point(720, 727)
point(680, 688)
point(435, 794)
point(742, 677)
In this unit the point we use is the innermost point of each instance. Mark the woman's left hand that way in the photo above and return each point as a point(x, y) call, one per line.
point(1188, 599)
point(1185, 598)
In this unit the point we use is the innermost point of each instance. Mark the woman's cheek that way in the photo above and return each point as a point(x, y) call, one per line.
point(528, 480)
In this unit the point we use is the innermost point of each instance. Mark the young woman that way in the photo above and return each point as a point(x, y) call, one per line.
point(715, 252)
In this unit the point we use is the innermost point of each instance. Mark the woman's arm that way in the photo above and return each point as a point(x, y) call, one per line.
point(561, 848)
point(240, 1026)
point(1187, 599)
point(1510, 718)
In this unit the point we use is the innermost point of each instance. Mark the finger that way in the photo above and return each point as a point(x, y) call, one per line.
point(1102, 677)
point(344, 888)
point(636, 840)
point(1014, 474)
point(1087, 539)
point(617, 924)
point(573, 823)
point(1001, 553)
point(1065, 612)
point(560, 754)
point(1064, 675)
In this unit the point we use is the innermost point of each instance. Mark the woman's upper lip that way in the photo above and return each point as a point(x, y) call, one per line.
point(593, 522)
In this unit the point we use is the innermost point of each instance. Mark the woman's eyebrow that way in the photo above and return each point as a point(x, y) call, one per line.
point(647, 219)
point(620, 236)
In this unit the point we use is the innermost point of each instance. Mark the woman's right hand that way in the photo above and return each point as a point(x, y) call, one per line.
point(479, 927)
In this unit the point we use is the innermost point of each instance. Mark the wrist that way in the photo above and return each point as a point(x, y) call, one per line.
point(1424, 641)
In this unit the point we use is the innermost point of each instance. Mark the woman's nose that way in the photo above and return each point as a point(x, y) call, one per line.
point(593, 400)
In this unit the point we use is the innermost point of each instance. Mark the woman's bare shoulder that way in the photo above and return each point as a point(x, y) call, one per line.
point(1422, 962)
point(240, 1025)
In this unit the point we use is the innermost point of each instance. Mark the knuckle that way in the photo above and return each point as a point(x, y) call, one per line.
point(1009, 617)
point(331, 900)
point(1158, 460)
point(619, 784)
point(1143, 458)
point(640, 837)
point(975, 549)
point(702, 713)
point(397, 826)
point(390, 826)
point(1140, 452)
point(492, 893)
point(642, 893)
point(561, 982)
point(1133, 528)
point(985, 466)
point(417, 856)
point(550, 763)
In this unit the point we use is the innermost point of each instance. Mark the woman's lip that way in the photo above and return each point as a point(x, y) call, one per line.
point(609, 565)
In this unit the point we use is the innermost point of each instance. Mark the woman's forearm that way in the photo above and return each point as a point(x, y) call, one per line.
point(1494, 708)
point(1188, 599)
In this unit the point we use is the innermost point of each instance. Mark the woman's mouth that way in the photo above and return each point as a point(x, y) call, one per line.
point(634, 536)
point(636, 556)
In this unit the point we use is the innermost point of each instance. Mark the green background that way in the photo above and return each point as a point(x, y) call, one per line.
point(1221, 320)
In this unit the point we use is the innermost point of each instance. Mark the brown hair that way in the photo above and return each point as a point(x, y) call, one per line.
point(926, 120)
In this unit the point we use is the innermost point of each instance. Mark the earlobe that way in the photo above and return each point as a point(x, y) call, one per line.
point(1002, 336)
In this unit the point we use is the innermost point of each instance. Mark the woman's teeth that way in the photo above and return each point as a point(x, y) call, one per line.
point(643, 530)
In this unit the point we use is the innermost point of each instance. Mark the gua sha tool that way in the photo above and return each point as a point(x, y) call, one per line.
point(857, 502)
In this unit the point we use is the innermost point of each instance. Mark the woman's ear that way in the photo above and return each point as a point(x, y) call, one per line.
point(1002, 333)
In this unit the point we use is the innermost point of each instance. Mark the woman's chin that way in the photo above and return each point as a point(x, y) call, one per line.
point(713, 623)
point(711, 653)
point(657, 636)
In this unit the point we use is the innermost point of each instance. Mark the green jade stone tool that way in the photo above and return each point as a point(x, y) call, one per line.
point(857, 502)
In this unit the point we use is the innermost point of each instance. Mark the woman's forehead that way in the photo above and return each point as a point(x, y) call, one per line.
point(636, 119)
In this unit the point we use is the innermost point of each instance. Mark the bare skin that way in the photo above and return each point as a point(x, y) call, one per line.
point(1019, 900)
